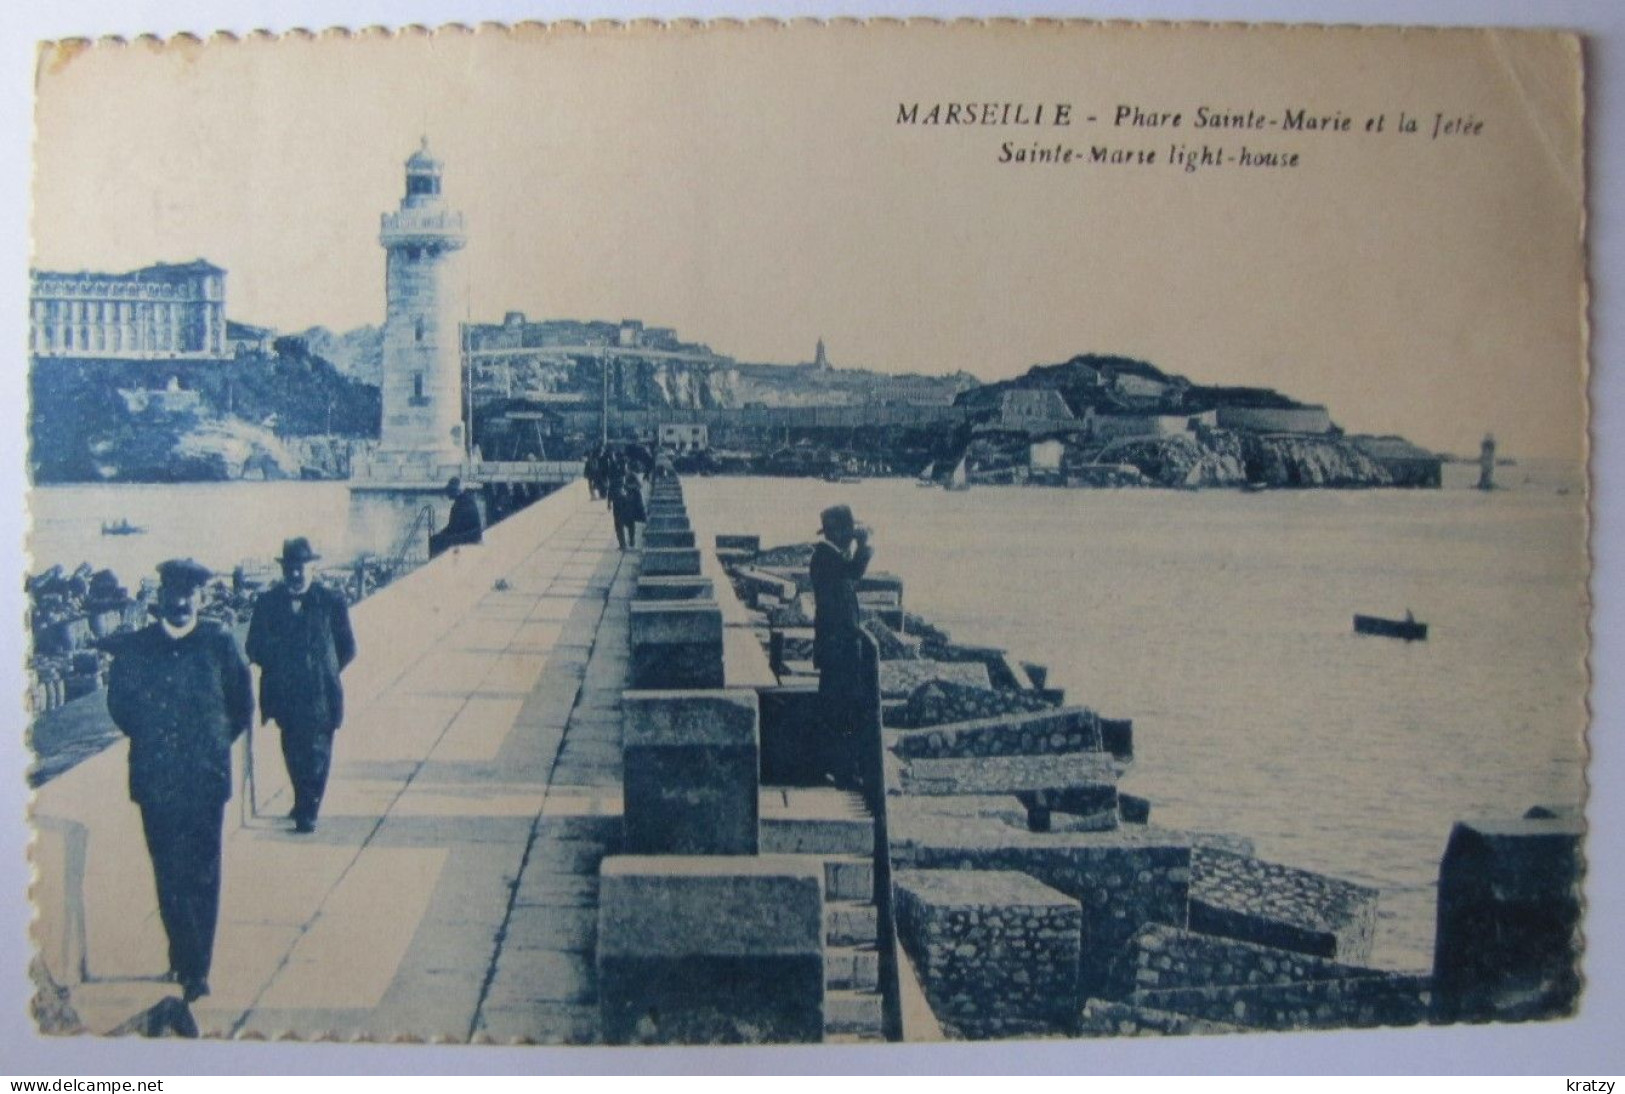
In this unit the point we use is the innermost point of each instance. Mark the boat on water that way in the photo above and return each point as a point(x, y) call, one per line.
point(925, 478)
point(121, 527)
point(1408, 628)
point(960, 479)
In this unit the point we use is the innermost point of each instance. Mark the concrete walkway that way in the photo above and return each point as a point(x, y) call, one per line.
point(450, 890)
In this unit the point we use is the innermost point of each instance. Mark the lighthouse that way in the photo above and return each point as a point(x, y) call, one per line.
point(422, 442)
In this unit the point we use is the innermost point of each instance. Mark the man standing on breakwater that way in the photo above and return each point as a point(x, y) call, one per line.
point(181, 691)
point(840, 558)
point(300, 637)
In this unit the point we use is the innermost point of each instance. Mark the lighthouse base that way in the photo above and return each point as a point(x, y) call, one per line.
point(414, 470)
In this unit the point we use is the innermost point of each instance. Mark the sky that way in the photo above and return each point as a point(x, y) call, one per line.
point(755, 190)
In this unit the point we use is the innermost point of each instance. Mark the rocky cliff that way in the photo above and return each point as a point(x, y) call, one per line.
point(1224, 458)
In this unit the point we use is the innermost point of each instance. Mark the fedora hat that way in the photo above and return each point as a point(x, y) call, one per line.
point(837, 518)
point(297, 549)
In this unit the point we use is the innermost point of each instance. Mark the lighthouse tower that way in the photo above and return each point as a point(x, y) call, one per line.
point(422, 441)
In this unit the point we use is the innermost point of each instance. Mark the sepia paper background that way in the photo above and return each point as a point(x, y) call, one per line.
point(790, 197)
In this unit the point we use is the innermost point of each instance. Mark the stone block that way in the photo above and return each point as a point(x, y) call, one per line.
point(792, 735)
point(997, 952)
point(1507, 941)
point(1081, 783)
point(671, 562)
point(1043, 732)
point(668, 520)
point(702, 950)
point(898, 679)
point(892, 645)
point(1117, 737)
point(1123, 879)
point(1133, 809)
point(891, 615)
point(676, 644)
point(1107, 1018)
point(879, 582)
point(664, 537)
point(752, 544)
point(999, 670)
point(1379, 999)
point(753, 583)
point(1245, 898)
point(690, 760)
point(1167, 957)
point(676, 588)
point(938, 702)
point(1009, 774)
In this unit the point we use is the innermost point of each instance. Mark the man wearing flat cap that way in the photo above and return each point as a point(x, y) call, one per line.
point(300, 638)
point(181, 691)
point(840, 558)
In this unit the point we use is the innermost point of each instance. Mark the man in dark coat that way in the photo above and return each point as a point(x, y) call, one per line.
point(838, 561)
point(465, 525)
point(626, 503)
point(181, 691)
point(300, 638)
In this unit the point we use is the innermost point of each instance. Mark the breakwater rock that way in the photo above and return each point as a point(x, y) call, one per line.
point(1030, 894)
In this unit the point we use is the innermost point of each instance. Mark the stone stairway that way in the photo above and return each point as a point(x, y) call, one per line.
point(835, 827)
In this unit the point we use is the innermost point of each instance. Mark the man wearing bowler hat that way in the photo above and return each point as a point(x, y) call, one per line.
point(300, 638)
point(840, 558)
point(181, 691)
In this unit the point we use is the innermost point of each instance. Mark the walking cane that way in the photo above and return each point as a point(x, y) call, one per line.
point(251, 808)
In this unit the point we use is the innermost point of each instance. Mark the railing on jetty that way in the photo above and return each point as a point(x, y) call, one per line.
point(405, 552)
point(870, 740)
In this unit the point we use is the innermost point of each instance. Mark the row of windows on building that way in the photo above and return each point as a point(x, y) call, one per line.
point(83, 339)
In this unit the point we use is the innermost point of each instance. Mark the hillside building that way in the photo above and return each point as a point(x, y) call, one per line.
point(161, 312)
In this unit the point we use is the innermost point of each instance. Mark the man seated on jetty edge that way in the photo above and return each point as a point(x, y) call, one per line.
point(181, 691)
point(300, 637)
point(465, 525)
point(838, 561)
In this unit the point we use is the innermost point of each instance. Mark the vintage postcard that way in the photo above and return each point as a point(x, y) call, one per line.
point(807, 533)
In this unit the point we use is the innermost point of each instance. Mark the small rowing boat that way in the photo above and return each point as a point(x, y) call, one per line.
point(1408, 628)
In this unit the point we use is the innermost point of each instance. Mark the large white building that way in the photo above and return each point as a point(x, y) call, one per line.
point(162, 312)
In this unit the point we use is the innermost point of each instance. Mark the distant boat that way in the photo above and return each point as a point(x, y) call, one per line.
point(121, 527)
point(960, 479)
point(925, 478)
point(1408, 628)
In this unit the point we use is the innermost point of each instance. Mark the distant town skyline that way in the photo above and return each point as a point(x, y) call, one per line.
point(1410, 288)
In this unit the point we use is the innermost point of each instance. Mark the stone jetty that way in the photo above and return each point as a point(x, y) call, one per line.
point(579, 799)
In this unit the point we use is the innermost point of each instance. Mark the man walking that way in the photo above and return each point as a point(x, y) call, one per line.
point(181, 691)
point(300, 638)
point(840, 558)
point(626, 504)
